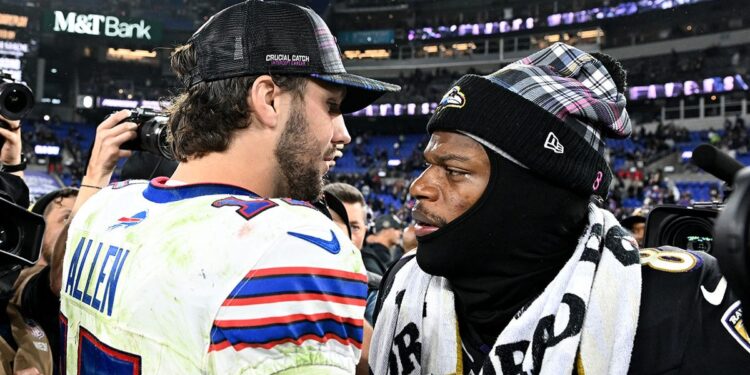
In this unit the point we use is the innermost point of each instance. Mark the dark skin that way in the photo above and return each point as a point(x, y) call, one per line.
point(458, 171)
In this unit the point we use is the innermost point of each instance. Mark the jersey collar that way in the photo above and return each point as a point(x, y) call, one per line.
point(158, 192)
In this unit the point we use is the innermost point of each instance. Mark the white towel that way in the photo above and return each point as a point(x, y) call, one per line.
point(589, 311)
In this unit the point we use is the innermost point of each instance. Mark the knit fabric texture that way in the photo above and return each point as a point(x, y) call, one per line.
point(548, 112)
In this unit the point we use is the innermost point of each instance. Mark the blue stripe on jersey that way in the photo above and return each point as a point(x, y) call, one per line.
point(157, 192)
point(263, 286)
point(292, 331)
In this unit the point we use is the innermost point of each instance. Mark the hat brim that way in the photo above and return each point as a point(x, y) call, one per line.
point(629, 221)
point(360, 92)
point(41, 204)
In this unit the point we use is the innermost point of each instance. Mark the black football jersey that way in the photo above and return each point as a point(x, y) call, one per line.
point(690, 321)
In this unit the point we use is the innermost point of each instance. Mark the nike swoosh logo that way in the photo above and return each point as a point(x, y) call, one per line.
point(717, 295)
point(332, 246)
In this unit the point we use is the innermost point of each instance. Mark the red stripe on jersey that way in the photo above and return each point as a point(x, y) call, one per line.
point(219, 346)
point(129, 219)
point(290, 297)
point(133, 359)
point(285, 271)
point(285, 319)
point(268, 345)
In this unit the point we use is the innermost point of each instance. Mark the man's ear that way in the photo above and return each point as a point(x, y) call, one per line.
point(260, 100)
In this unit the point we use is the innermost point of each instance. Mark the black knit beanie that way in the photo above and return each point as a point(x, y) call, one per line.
point(547, 113)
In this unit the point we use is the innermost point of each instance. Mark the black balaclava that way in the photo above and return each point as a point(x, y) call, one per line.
point(503, 252)
point(550, 114)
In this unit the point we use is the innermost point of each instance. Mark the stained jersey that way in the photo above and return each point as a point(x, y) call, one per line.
point(208, 279)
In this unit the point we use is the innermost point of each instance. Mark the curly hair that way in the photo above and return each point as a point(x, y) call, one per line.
point(204, 117)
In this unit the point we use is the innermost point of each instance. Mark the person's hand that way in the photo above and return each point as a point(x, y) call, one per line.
point(106, 150)
point(11, 151)
point(109, 138)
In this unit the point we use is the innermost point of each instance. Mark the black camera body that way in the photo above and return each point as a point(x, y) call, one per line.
point(689, 228)
point(21, 235)
point(16, 99)
point(151, 134)
point(733, 237)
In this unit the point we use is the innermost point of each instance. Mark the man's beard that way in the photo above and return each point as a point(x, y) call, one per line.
point(298, 159)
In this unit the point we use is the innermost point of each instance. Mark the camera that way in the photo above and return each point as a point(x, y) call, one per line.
point(733, 237)
point(151, 134)
point(689, 228)
point(719, 228)
point(21, 235)
point(692, 228)
point(16, 99)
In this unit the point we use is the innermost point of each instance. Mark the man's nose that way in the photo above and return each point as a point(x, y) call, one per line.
point(340, 133)
point(422, 188)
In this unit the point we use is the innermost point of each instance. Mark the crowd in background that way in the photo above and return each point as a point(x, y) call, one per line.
point(386, 187)
point(636, 186)
point(385, 172)
point(420, 86)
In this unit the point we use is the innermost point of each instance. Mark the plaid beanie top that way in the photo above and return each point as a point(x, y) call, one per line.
point(547, 112)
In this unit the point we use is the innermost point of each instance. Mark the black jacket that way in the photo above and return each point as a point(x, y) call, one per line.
point(690, 321)
point(377, 258)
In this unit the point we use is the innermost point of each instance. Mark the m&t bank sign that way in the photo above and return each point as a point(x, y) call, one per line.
point(101, 25)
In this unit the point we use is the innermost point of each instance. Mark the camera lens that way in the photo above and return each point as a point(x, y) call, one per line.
point(153, 136)
point(15, 101)
point(689, 233)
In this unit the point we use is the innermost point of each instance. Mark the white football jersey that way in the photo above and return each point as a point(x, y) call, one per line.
point(208, 279)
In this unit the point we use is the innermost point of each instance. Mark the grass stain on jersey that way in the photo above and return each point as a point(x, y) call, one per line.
point(175, 254)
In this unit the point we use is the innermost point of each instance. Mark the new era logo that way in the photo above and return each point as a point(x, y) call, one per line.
point(552, 143)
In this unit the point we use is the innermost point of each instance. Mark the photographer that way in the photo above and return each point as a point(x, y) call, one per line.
point(37, 289)
point(56, 208)
point(213, 270)
point(24, 348)
point(17, 351)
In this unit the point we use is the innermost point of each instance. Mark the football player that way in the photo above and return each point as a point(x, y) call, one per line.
point(518, 270)
point(225, 267)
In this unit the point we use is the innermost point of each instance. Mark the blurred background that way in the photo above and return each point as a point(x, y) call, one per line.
point(687, 63)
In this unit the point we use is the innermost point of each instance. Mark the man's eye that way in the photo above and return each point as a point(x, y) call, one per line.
point(334, 107)
point(455, 173)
